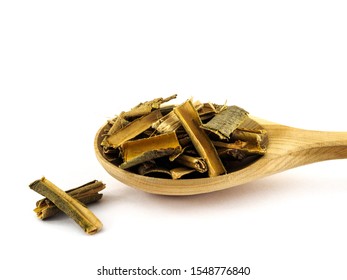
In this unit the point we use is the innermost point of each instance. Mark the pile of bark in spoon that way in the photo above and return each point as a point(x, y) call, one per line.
point(190, 140)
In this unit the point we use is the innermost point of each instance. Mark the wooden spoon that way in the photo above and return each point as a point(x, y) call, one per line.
point(287, 148)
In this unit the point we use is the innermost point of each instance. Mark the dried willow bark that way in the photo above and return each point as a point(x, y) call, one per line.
point(150, 168)
point(171, 122)
point(69, 205)
point(142, 150)
point(191, 122)
point(86, 194)
point(129, 146)
point(146, 107)
point(132, 129)
point(179, 172)
point(224, 123)
point(184, 139)
point(208, 110)
point(256, 137)
point(118, 123)
point(168, 123)
point(192, 162)
point(248, 148)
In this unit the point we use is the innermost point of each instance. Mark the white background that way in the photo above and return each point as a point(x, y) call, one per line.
point(68, 66)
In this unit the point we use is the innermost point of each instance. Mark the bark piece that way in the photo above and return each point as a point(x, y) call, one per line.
point(224, 123)
point(133, 129)
point(86, 194)
point(142, 150)
point(192, 124)
point(146, 107)
point(196, 163)
point(69, 205)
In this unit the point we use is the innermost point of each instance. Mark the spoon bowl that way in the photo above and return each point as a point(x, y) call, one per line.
point(287, 148)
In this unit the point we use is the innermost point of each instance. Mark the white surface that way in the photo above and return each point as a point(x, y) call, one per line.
point(66, 67)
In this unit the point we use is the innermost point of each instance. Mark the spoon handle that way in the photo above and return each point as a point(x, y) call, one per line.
point(300, 147)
